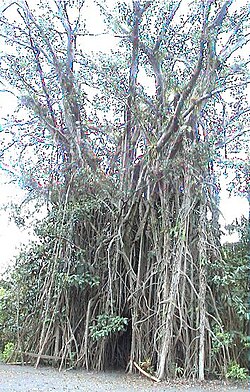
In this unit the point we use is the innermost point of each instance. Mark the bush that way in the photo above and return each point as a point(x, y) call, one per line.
point(7, 352)
point(236, 372)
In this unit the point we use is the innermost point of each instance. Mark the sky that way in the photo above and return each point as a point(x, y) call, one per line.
point(11, 236)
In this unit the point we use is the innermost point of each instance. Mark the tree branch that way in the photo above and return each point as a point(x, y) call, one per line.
point(218, 20)
point(173, 123)
point(210, 95)
point(165, 26)
point(236, 135)
point(228, 51)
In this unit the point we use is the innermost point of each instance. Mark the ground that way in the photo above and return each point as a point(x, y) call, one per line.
point(14, 378)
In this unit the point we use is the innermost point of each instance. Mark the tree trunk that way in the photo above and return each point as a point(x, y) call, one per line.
point(202, 293)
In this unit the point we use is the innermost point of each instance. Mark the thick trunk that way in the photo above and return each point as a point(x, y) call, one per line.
point(171, 304)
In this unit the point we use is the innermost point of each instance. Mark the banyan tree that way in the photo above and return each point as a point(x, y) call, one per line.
point(124, 147)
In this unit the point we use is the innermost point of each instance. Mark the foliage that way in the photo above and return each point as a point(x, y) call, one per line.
point(128, 261)
point(7, 352)
point(74, 280)
point(2, 294)
point(236, 372)
point(7, 314)
point(105, 325)
point(221, 339)
point(230, 277)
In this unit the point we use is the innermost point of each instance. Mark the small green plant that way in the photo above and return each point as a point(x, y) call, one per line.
point(7, 351)
point(236, 372)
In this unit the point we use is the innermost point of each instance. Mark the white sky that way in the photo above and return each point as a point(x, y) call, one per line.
point(11, 236)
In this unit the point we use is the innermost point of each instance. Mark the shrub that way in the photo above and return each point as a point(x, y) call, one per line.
point(236, 372)
point(7, 352)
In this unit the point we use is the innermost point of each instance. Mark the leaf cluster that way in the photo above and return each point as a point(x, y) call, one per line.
point(105, 324)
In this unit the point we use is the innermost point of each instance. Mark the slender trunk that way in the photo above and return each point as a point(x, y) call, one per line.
point(202, 321)
point(202, 292)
